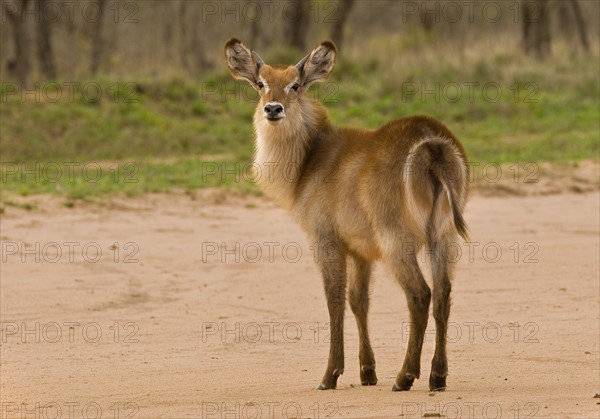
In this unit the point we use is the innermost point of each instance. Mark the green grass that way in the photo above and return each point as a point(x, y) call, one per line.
point(156, 135)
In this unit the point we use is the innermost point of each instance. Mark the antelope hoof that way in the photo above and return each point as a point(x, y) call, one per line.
point(329, 381)
point(437, 383)
point(368, 376)
point(404, 383)
point(324, 387)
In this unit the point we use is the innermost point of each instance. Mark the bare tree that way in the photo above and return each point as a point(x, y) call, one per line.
point(168, 27)
point(44, 42)
point(296, 18)
point(183, 38)
point(70, 43)
point(342, 12)
point(19, 66)
point(427, 19)
point(537, 40)
point(97, 41)
point(570, 22)
point(580, 24)
point(198, 44)
point(256, 33)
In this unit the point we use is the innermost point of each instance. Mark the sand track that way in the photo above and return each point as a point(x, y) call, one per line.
point(165, 322)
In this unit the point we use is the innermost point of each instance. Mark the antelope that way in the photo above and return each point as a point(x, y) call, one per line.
point(361, 196)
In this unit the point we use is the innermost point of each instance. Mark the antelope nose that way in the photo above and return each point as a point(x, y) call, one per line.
point(273, 109)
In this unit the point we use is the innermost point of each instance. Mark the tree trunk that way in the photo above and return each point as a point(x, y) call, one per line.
point(183, 41)
point(198, 43)
point(97, 41)
point(343, 11)
point(70, 69)
point(427, 18)
point(44, 43)
point(168, 22)
point(536, 28)
point(296, 19)
point(581, 26)
point(19, 66)
point(256, 33)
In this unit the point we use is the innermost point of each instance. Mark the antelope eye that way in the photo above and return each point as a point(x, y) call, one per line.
point(295, 86)
point(260, 85)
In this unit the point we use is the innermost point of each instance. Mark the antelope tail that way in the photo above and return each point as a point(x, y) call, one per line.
point(438, 163)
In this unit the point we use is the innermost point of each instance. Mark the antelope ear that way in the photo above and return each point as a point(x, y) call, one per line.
point(243, 64)
point(317, 65)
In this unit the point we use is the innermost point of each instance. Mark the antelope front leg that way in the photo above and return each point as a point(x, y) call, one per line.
point(358, 296)
point(332, 262)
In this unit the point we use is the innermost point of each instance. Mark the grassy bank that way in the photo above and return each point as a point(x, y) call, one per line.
point(86, 139)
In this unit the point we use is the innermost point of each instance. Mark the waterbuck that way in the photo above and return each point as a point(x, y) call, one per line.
point(361, 195)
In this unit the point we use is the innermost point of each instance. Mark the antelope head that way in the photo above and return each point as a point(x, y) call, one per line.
point(280, 88)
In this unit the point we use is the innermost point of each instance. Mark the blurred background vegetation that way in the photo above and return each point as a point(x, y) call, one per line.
point(140, 90)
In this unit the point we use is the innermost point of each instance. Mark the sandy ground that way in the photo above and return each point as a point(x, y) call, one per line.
point(146, 308)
